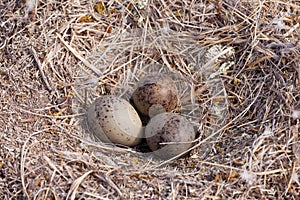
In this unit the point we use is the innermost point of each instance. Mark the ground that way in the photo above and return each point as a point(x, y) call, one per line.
point(55, 57)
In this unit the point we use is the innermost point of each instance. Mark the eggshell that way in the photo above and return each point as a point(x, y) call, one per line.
point(113, 119)
point(169, 128)
point(155, 93)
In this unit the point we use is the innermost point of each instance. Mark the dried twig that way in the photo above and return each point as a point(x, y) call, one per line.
point(77, 55)
point(41, 67)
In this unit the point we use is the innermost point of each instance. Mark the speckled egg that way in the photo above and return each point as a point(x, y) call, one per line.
point(169, 134)
point(114, 120)
point(155, 93)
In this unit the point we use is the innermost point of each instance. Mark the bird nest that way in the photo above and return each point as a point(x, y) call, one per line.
point(128, 56)
point(236, 64)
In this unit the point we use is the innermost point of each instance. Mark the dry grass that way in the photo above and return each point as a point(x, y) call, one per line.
point(56, 57)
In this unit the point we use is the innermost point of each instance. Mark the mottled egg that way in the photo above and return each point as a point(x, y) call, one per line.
point(155, 93)
point(114, 120)
point(169, 134)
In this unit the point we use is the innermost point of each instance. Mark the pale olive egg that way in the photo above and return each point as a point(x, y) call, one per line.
point(114, 120)
point(155, 93)
point(169, 134)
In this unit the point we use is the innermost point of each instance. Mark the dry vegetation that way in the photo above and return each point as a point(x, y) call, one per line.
point(46, 49)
